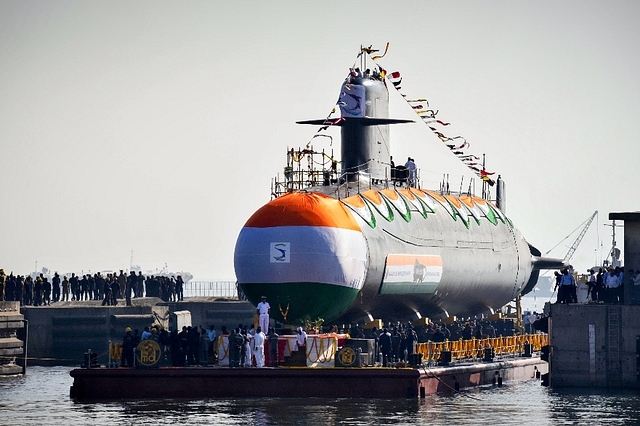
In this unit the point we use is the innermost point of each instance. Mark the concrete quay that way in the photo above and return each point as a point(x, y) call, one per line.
point(594, 345)
point(60, 334)
point(12, 337)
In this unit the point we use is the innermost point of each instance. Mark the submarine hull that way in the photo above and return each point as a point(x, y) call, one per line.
point(393, 254)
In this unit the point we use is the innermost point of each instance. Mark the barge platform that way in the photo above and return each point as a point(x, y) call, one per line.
point(286, 382)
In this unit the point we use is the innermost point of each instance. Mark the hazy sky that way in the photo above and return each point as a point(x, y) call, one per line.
point(155, 128)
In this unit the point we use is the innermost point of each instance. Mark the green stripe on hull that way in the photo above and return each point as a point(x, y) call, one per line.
point(291, 303)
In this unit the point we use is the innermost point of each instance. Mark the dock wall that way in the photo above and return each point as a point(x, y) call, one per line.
point(60, 334)
point(12, 337)
point(595, 345)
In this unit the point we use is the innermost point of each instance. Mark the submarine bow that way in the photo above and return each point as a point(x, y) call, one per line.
point(306, 253)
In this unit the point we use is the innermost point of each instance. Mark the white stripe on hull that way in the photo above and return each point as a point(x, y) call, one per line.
point(317, 254)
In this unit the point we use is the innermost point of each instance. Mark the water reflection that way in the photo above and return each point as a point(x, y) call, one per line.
point(42, 397)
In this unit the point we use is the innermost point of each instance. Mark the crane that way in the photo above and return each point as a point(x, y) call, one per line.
point(577, 241)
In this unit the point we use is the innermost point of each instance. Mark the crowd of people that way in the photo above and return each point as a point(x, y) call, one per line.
point(605, 286)
point(189, 346)
point(398, 342)
point(193, 346)
point(41, 290)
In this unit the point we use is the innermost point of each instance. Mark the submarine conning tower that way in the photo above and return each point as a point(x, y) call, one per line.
point(365, 148)
point(364, 109)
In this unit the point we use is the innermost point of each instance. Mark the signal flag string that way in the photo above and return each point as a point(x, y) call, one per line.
point(456, 144)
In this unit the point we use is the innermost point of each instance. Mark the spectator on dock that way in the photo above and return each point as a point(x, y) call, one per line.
point(263, 310)
point(136, 337)
point(567, 287)
point(611, 286)
point(438, 335)
point(236, 343)
point(203, 347)
point(37, 292)
point(3, 280)
point(301, 339)
point(172, 290)
point(467, 332)
point(115, 290)
point(193, 353)
point(385, 346)
point(180, 288)
point(490, 330)
point(73, 282)
point(529, 319)
point(177, 357)
point(600, 285)
point(98, 286)
point(478, 333)
point(247, 351)
point(127, 348)
point(65, 289)
point(20, 289)
point(411, 340)
point(620, 288)
point(107, 292)
point(560, 295)
point(46, 288)
point(56, 287)
point(212, 337)
point(84, 288)
point(592, 287)
point(146, 334)
point(139, 291)
point(28, 290)
point(258, 347)
point(10, 288)
point(132, 281)
point(273, 347)
point(122, 284)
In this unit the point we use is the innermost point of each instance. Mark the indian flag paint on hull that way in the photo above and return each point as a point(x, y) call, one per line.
point(304, 250)
point(411, 274)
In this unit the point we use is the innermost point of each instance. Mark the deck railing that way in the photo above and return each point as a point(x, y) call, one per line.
point(475, 348)
point(221, 289)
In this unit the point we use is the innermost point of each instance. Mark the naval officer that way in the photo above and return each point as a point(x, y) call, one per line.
point(263, 309)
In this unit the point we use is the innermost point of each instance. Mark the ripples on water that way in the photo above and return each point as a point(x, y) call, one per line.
point(42, 398)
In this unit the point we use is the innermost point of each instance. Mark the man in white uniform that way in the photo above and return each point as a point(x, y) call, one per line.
point(263, 310)
point(258, 347)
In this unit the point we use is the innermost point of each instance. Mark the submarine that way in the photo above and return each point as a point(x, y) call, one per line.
point(355, 239)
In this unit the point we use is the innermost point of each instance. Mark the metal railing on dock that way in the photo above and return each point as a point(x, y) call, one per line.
point(221, 289)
